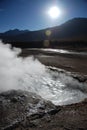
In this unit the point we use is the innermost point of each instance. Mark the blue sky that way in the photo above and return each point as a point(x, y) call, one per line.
point(32, 14)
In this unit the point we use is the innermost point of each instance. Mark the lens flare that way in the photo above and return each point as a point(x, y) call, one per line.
point(48, 32)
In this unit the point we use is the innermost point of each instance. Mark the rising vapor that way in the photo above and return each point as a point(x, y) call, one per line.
point(28, 74)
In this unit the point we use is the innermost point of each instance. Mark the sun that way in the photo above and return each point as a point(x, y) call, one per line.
point(54, 12)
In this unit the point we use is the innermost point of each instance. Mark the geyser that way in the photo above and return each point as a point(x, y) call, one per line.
point(30, 75)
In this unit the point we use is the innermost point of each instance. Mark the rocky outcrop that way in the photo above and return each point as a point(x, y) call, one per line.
point(16, 106)
point(26, 111)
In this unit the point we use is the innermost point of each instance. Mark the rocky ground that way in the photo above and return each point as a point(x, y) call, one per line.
point(17, 106)
point(21, 110)
point(26, 111)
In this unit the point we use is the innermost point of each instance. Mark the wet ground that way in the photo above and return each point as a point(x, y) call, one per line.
point(21, 110)
point(68, 60)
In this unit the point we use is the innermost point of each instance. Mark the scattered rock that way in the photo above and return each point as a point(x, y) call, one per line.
point(16, 106)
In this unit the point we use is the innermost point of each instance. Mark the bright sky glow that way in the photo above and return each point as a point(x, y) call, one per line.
point(39, 14)
point(54, 12)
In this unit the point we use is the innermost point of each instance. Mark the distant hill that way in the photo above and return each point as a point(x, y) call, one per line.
point(14, 32)
point(73, 30)
point(11, 33)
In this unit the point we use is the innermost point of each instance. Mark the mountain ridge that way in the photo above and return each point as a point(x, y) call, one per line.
point(74, 29)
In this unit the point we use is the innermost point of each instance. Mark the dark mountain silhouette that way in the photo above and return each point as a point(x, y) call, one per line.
point(14, 32)
point(72, 30)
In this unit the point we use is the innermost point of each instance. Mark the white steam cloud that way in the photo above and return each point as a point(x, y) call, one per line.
point(14, 69)
point(30, 75)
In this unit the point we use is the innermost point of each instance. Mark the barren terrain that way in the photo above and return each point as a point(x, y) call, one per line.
point(27, 111)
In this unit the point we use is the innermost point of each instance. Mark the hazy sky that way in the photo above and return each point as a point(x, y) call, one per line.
point(32, 14)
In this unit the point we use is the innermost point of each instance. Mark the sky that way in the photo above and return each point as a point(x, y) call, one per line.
point(33, 14)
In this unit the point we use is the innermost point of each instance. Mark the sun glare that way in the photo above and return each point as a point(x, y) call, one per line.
point(54, 12)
